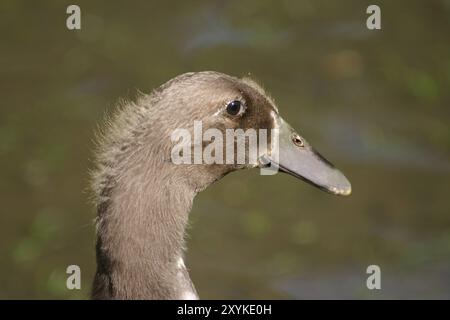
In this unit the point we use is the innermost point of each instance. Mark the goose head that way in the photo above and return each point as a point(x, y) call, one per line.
point(143, 193)
point(208, 106)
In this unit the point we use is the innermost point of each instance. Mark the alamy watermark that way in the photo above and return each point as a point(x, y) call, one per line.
point(251, 147)
point(73, 21)
point(74, 279)
point(373, 22)
point(374, 280)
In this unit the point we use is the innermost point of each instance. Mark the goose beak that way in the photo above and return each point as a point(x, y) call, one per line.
point(296, 157)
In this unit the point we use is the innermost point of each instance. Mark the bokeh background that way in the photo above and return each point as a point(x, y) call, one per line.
point(376, 103)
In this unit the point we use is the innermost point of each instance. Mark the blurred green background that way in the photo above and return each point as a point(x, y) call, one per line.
point(376, 103)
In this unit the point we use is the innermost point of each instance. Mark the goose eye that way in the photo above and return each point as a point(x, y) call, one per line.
point(234, 107)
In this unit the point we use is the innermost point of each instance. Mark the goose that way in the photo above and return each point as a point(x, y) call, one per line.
point(143, 198)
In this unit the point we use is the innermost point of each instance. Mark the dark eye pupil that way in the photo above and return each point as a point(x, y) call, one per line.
point(234, 107)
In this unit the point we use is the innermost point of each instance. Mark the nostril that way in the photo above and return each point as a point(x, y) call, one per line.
point(298, 141)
